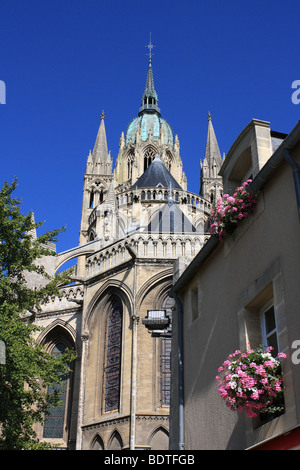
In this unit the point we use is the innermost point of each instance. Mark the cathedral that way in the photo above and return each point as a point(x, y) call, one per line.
point(139, 223)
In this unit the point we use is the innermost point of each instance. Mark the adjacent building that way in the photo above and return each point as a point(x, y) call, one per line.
point(240, 293)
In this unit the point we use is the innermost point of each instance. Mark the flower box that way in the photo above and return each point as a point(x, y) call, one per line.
point(251, 381)
point(229, 211)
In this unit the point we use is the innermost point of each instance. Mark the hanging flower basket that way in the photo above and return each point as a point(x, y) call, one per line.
point(230, 210)
point(251, 381)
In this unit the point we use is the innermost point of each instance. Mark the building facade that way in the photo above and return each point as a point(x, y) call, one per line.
point(239, 293)
point(137, 219)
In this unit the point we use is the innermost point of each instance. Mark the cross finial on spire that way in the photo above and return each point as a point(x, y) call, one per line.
point(150, 47)
point(102, 115)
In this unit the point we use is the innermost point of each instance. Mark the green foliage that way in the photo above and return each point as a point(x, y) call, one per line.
point(28, 368)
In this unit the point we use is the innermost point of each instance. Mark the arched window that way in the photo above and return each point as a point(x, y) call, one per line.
point(171, 221)
point(55, 420)
point(101, 196)
point(91, 205)
point(112, 370)
point(130, 161)
point(160, 221)
point(168, 160)
point(148, 157)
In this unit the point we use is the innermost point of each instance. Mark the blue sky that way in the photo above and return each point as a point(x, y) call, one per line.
point(64, 61)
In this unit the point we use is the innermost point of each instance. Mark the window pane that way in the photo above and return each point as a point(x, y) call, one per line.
point(270, 320)
point(272, 341)
point(113, 357)
point(54, 422)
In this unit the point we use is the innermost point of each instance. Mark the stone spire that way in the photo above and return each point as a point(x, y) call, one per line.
point(149, 98)
point(100, 152)
point(211, 182)
point(100, 157)
point(212, 153)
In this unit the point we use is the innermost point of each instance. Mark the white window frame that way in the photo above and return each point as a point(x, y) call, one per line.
point(264, 333)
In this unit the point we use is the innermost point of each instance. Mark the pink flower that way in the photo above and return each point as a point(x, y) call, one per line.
point(277, 385)
point(255, 395)
point(282, 355)
point(269, 364)
point(261, 370)
point(264, 381)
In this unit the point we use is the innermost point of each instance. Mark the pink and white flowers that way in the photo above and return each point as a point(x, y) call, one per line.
point(229, 210)
point(251, 380)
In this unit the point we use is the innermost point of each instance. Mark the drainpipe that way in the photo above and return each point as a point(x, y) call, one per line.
point(135, 321)
point(180, 372)
point(133, 385)
point(296, 174)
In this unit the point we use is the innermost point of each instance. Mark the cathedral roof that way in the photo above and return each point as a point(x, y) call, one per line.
point(170, 219)
point(156, 175)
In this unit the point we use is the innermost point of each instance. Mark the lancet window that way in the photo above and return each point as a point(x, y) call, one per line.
point(148, 157)
point(55, 420)
point(130, 161)
point(112, 370)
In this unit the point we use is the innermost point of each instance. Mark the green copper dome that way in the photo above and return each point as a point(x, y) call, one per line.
point(152, 123)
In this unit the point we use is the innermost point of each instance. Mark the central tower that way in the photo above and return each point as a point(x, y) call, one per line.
point(148, 135)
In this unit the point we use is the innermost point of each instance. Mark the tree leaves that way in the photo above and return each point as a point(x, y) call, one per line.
point(28, 368)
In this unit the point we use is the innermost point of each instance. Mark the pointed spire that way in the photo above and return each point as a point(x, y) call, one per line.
point(149, 98)
point(212, 152)
point(100, 152)
point(150, 90)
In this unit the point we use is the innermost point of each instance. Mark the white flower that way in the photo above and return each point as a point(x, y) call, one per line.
point(268, 355)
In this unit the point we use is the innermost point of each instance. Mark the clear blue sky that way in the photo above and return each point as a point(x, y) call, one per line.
point(64, 61)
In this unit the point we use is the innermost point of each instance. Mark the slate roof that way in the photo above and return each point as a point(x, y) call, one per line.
point(170, 219)
point(156, 175)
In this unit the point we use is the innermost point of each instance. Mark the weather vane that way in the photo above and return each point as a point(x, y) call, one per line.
point(150, 47)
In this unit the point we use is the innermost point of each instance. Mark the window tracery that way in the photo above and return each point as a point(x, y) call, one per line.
point(112, 370)
point(149, 156)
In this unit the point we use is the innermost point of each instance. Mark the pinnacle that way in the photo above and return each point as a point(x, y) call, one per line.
point(212, 148)
point(100, 152)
